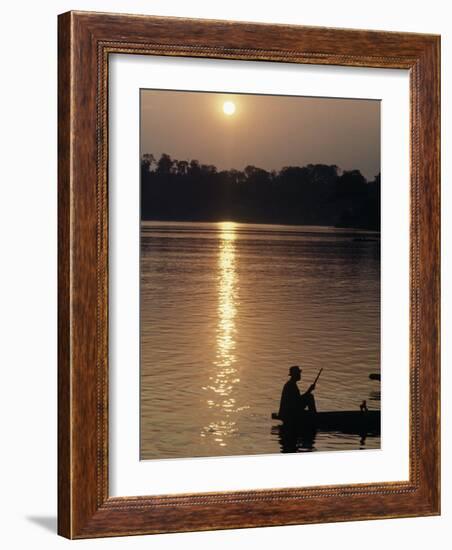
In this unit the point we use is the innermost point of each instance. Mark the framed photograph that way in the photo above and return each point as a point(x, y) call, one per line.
point(248, 275)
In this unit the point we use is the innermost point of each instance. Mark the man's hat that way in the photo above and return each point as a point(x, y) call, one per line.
point(294, 370)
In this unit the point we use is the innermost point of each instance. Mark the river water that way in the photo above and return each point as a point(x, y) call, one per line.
point(227, 307)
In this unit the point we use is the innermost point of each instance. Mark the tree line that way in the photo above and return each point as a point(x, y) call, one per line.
point(315, 194)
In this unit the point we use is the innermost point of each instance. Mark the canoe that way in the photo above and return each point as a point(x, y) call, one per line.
point(350, 422)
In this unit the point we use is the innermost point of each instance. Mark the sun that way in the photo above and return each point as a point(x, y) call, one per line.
point(228, 108)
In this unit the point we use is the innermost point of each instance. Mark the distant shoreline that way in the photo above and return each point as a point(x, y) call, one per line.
point(250, 222)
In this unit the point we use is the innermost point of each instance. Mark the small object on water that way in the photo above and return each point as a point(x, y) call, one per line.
point(375, 396)
point(375, 376)
point(363, 406)
point(365, 240)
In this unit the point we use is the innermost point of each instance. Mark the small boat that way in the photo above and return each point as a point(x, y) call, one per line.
point(349, 422)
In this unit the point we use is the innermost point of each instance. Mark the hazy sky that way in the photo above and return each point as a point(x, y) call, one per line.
point(265, 131)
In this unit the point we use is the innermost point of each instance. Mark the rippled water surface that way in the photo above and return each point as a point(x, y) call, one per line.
point(226, 308)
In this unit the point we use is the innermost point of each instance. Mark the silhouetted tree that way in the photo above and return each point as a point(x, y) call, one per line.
point(182, 167)
point(164, 164)
point(351, 182)
point(148, 161)
point(316, 194)
point(208, 170)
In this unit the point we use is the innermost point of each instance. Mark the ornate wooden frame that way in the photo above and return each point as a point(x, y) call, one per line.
point(85, 42)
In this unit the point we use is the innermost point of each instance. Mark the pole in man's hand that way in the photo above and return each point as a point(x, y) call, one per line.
point(312, 386)
point(318, 376)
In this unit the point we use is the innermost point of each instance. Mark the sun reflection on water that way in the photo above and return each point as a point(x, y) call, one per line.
point(221, 384)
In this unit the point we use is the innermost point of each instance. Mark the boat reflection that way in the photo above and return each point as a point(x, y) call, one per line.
point(295, 441)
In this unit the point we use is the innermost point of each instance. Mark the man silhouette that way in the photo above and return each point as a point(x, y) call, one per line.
point(292, 402)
